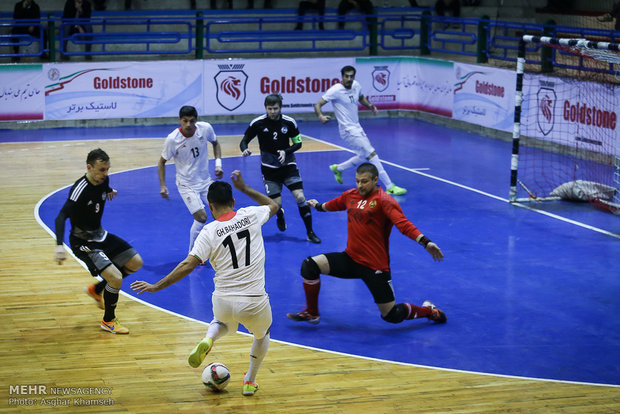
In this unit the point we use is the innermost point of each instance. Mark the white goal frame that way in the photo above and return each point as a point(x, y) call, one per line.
point(603, 51)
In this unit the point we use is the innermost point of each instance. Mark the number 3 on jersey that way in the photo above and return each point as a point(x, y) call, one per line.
point(228, 242)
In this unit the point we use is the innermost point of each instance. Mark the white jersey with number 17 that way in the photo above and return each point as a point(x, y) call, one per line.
point(234, 246)
point(345, 102)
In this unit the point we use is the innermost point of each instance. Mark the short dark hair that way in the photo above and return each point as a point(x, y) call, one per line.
point(220, 193)
point(97, 154)
point(188, 111)
point(348, 68)
point(274, 98)
point(367, 168)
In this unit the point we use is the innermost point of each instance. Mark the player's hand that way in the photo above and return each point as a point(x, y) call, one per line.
point(281, 156)
point(324, 118)
point(111, 195)
point(141, 286)
point(60, 254)
point(219, 173)
point(312, 203)
point(163, 192)
point(435, 251)
point(246, 152)
point(375, 111)
point(238, 180)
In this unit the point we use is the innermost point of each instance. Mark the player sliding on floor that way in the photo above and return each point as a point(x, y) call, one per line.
point(370, 216)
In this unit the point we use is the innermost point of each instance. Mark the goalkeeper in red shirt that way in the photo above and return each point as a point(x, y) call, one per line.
point(371, 212)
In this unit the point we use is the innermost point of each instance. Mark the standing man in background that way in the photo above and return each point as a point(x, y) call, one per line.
point(188, 146)
point(344, 97)
point(275, 133)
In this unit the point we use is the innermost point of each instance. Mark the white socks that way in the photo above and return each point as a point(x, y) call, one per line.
point(257, 354)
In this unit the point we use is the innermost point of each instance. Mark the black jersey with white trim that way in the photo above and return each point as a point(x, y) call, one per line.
point(273, 136)
point(84, 207)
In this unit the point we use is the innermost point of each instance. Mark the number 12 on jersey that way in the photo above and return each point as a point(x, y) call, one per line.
point(228, 242)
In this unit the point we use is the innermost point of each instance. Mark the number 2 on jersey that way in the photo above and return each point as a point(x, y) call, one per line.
point(228, 242)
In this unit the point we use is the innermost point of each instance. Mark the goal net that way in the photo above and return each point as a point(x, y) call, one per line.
point(565, 138)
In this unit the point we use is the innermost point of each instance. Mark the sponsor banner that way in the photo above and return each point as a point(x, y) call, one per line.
point(571, 112)
point(407, 83)
point(121, 89)
point(484, 96)
point(234, 87)
point(22, 95)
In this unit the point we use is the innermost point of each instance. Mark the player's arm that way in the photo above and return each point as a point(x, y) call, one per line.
point(243, 145)
point(296, 145)
point(406, 227)
point(260, 198)
point(364, 101)
point(59, 228)
point(337, 204)
point(161, 173)
point(180, 271)
point(217, 153)
point(110, 193)
point(318, 111)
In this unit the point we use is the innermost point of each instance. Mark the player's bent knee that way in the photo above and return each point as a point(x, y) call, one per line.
point(396, 315)
point(309, 269)
point(134, 264)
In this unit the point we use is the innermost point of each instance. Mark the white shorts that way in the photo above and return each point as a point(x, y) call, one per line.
point(358, 142)
point(193, 198)
point(253, 312)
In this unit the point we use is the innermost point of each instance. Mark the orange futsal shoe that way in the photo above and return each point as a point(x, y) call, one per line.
point(90, 291)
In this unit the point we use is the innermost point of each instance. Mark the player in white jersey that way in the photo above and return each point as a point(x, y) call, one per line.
point(233, 244)
point(188, 146)
point(344, 97)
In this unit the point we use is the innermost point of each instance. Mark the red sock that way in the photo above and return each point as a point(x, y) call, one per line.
point(312, 287)
point(416, 312)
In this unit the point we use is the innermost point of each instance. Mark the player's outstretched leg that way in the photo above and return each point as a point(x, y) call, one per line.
point(337, 173)
point(199, 352)
point(436, 315)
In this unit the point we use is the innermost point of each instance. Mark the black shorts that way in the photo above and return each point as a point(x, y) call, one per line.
point(274, 178)
point(379, 282)
point(99, 255)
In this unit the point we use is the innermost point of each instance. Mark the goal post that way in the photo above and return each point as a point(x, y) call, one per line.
point(566, 124)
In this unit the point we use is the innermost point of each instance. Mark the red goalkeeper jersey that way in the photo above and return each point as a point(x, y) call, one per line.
point(369, 223)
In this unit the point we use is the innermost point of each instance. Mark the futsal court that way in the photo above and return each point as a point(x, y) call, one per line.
point(528, 291)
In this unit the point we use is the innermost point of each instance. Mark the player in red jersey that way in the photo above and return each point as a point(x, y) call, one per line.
point(371, 212)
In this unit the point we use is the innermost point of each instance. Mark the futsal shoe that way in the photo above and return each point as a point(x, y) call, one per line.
point(199, 352)
point(304, 317)
point(90, 291)
point(249, 388)
point(436, 314)
point(280, 220)
point(114, 327)
point(337, 173)
point(313, 237)
point(396, 190)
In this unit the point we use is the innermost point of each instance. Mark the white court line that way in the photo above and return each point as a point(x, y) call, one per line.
point(68, 249)
point(484, 193)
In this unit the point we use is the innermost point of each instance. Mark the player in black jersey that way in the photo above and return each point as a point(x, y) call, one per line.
point(104, 253)
point(275, 132)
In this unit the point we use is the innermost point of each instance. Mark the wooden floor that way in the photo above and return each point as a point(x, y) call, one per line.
point(53, 337)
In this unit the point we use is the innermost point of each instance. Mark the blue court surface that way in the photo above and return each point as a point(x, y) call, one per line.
point(526, 293)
